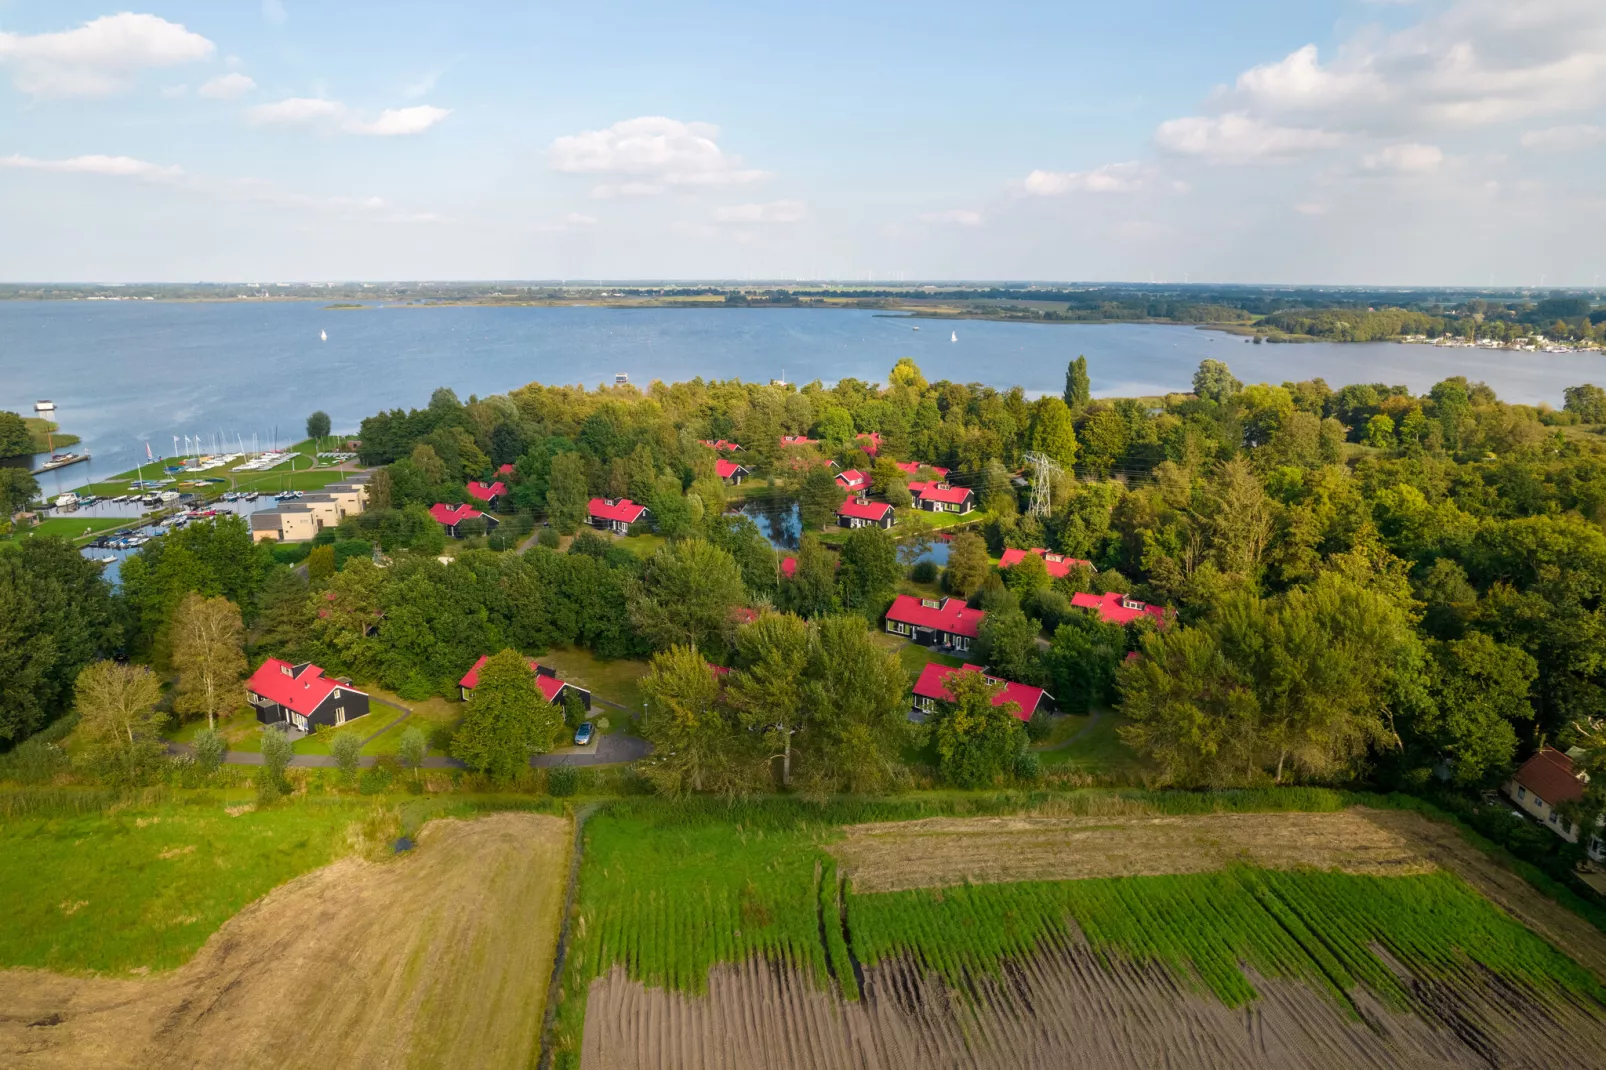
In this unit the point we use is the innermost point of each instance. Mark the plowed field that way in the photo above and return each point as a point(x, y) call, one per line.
point(436, 959)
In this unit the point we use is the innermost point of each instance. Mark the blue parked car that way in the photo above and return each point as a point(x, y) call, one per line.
point(582, 735)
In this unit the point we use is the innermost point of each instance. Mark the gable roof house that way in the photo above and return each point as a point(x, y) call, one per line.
point(452, 516)
point(869, 442)
point(942, 498)
point(730, 472)
point(912, 468)
point(302, 697)
point(1121, 609)
point(1058, 565)
point(722, 445)
point(507, 470)
point(932, 688)
point(949, 622)
point(1547, 780)
point(552, 689)
point(616, 514)
point(861, 512)
point(489, 493)
point(798, 440)
point(852, 479)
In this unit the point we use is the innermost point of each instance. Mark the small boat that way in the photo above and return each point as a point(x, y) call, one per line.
point(60, 460)
point(914, 328)
point(67, 501)
point(170, 495)
point(953, 336)
point(108, 559)
point(87, 499)
point(323, 336)
point(44, 406)
point(253, 496)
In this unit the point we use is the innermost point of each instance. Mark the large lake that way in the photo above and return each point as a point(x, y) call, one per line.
point(124, 373)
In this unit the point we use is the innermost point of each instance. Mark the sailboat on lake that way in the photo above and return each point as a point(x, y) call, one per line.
point(953, 336)
point(323, 336)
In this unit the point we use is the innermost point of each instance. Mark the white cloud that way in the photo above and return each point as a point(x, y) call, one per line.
point(651, 152)
point(1238, 138)
point(109, 166)
point(1564, 138)
point(1110, 178)
point(100, 57)
point(400, 122)
point(958, 216)
point(227, 87)
point(1406, 159)
point(273, 12)
point(1312, 208)
point(569, 221)
point(175, 92)
point(772, 212)
point(609, 190)
point(333, 115)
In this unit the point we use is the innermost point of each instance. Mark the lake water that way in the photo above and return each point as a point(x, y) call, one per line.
point(126, 373)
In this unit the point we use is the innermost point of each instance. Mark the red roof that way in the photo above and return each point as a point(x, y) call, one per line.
point(485, 492)
point(725, 469)
point(853, 507)
point(546, 683)
point(931, 685)
point(872, 442)
point(275, 681)
point(1118, 608)
point(951, 616)
point(789, 566)
point(852, 478)
point(506, 470)
point(723, 445)
point(744, 614)
point(1058, 565)
point(623, 510)
point(942, 492)
point(1551, 776)
point(912, 468)
point(719, 670)
point(799, 440)
point(452, 515)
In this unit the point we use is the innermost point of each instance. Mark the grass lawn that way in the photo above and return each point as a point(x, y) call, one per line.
point(1082, 745)
point(70, 527)
point(437, 716)
point(916, 657)
point(617, 681)
point(38, 427)
point(144, 888)
point(643, 546)
point(275, 479)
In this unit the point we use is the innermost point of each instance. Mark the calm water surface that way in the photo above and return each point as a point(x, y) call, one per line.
point(126, 373)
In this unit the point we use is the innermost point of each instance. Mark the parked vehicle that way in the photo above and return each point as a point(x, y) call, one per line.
point(583, 735)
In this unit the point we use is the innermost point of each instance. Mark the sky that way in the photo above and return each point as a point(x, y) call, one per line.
point(1334, 142)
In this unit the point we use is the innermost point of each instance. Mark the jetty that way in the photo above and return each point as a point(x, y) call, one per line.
point(59, 460)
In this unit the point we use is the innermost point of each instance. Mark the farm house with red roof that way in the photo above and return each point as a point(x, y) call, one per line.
point(1545, 781)
point(616, 514)
point(1120, 609)
point(943, 498)
point(451, 516)
point(1059, 566)
point(929, 622)
point(730, 472)
point(489, 493)
point(722, 445)
point(852, 479)
point(302, 697)
point(932, 688)
point(552, 689)
point(863, 513)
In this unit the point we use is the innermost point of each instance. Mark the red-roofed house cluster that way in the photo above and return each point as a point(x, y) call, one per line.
point(929, 622)
point(1059, 566)
point(489, 493)
point(452, 517)
point(861, 512)
point(1545, 781)
point(552, 689)
point(932, 688)
point(1120, 609)
point(302, 697)
point(616, 514)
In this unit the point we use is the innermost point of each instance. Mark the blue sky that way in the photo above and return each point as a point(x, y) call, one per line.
point(1458, 141)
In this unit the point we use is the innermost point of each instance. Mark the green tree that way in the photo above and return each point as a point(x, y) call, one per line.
point(507, 720)
point(1214, 381)
point(1080, 664)
point(118, 719)
point(819, 498)
point(836, 427)
point(277, 750)
point(686, 595)
point(1587, 401)
point(1052, 431)
point(870, 571)
point(811, 592)
point(321, 564)
point(976, 741)
point(346, 749)
point(767, 689)
point(1078, 390)
point(857, 694)
point(1380, 432)
point(1006, 643)
point(968, 564)
point(210, 750)
point(1028, 576)
point(1103, 441)
point(567, 497)
point(15, 438)
point(997, 492)
point(209, 654)
point(411, 750)
point(1480, 691)
point(696, 746)
point(318, 428)
point(907, 373)
point(18, 490)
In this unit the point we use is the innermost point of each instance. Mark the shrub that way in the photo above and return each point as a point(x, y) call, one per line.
point(1027, 766)
point(1039, 727)
point(549, 538)
point(562, 781)
point(276, 753)
point(924, 572)
point(346, 750)
point(291, 553)
point(209, 751)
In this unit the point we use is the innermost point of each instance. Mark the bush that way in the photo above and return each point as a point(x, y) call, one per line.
point(562, 781)
point(346, 549)
point(276, 753)
point(1027, 766)
point(39, 758)
point(924, 572)
point(346, 750)
point(291, 553)
point(375, 780)
point(1038, 728)
point(549, 538)
point(209, 751)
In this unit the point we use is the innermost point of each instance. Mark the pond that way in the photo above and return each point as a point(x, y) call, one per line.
point(779, 520)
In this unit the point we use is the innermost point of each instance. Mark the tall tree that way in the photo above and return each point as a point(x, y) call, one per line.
point(209, 654)
point(1007, 644)
point(696, 746)
point(1214, 381)
point(767, 689)
point(968, 564)
point(1078, 390)
point(858, 695)
point(976, 741)
point(18, 489)
point(870, 570)
point(318, 428)
point(818, 498)
point(507, 720)
point(119, 719)
point(15, 438)
point(686, 595)
point(811, 592)
point(1052, 432)
point(567, 495)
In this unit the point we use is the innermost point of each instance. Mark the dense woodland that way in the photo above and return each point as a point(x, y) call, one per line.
point(1366, 584)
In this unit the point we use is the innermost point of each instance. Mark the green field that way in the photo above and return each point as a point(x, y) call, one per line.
point(69, 527)
point(144, 887)
point(1083, 744)
point(276, 479)
point(617, 681)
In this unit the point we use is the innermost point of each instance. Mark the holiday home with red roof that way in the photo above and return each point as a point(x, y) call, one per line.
point(552, 689)
point(506, 470)
point(1547, 780)
point(852, 479)
point(862, 513)
point(869, 442)
point(941, 498)
point(302, 697)
point(730, 472)
point(452, 517)
point(722, 445)
point(616, 514)
point(1058, 565)
point(489, 493)
point(1120, 609)
point(912, 469)
point(798, 440)
point(932, 688)
point(930, 622)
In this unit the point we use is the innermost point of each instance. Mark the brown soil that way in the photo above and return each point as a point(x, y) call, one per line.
point(436, 959)
point(1067, 1008)
point(893, 856)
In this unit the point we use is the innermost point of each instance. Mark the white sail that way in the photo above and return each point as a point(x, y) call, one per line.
point(323, 336)
point(953, 336)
